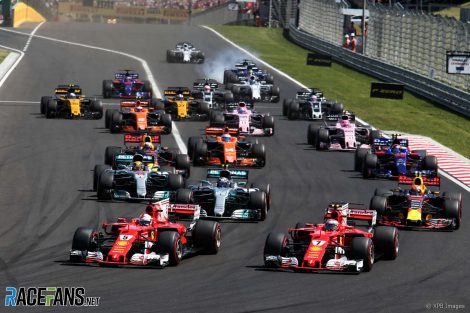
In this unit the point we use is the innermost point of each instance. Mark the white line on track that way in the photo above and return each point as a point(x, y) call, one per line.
point(148, 72)
point(31, 35)
point(448, 176)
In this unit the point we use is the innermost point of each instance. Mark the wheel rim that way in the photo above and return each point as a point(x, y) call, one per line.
point(179, 250)
point(371, 254)
point(218, 238)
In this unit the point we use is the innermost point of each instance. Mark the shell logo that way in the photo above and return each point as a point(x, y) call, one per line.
point(122, 243)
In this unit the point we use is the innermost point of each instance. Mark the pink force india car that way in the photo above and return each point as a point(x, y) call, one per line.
point(344, 134)
point(248, 122)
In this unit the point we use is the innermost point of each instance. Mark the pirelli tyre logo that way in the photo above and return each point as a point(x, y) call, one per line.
point(387, 90)
point(318, 59)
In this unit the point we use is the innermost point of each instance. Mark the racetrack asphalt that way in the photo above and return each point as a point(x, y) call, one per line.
point(46, 177)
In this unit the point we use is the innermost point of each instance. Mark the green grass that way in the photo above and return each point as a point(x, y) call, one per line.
point(3, 54)
point(454, 11)
point(411, 115)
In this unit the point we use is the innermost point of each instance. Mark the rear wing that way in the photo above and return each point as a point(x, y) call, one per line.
point(217, 131)
point(334, 118)
point(386, 142)
point(429, 181)
point(173, 91)
point(140, 137)
point(199, 85)
point(232, 174)
point(123, 75)
point(185, 211)
point(126, 159)
point(336, 210)
point(134, 103)
point(65, 89)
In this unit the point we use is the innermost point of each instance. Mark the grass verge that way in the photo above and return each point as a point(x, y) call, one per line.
point(3, 54)
point(411, 115)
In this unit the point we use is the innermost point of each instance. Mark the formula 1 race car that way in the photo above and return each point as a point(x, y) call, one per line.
point(126, 84)
point(254, 90)
point(225, 150)
point(212, 92)
point(181, 105)
point(225, 198)
point(153, 239)
point(137, 115)
point(334, 245)
point(68, 102)
point(391, 158)
point(343, 135)
point(184, 52)
point(418, 207)
point(310, 104)
point(243, 70)
point(167, 160)
point(247, 122)
point(136, 177)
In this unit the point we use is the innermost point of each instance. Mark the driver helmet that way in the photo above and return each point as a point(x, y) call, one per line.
point(242, 108)
point(313, 98)
point(396, 148)
point(226, 137)
point(252, 80)
point(331, 225)
point(223, 182)
point(138, 108)
point(128, 78)
point(418, 188)
point(148, 146)
point(145, 219)
point(207, 89)
point(179, 97)
point(344, 123)
point(137, 166)
point(72, 95)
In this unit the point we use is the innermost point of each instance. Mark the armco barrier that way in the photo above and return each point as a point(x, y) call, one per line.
point(455, 99)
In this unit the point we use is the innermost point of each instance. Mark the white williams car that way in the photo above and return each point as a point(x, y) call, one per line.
point(185, 52)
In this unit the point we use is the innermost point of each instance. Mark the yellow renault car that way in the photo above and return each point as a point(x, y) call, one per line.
point(181, 105)
point(69, 102)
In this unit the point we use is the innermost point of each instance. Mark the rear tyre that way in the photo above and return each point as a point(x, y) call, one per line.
point(182, 162)
point(275, 245)
point(386, 241)
point(170, 242)
point(359, 156)
point(293, 110)
point(107, 89)
point(44, 101)
point(430, 163)
point(370, 163)
point(362, 248)
point(312, 134)
point(192, 141)
point(100, 168)
point(184, 196)
point(108, 117)
point(110, 153)
point(258, 202)
point(200, 153)
point(322, 138)
point(379, 204)
point(207, 235)
point(285, 106)
point(175, 181)
point(259, 152)
point(453, 210)
point(268, 123)
point(105, 185)
point(96, 107)
point(51, 108)
point(167, 123)
point(217, 120)
point(266, 188)
point(115, 123)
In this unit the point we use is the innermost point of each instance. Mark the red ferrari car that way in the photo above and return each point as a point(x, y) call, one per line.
point(335, 245)
point(150, 240)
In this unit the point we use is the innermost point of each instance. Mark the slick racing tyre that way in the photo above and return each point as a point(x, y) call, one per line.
point(274, 245)
point(100, 168)
point(170, 242)
point(44, 101)
point(362, 248)
point(207, 235)
point(258, 202)
point(386, 241)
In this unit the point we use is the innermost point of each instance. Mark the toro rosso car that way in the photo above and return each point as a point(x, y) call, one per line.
point(333, 245)
point(391, 158)
point(138, 115)
point(68, 102)
point(418, 207)
point(248, 122)
point(144, 144)
point(136, 177)
point(150, 240)
point(180, 104)
point(126, 84)
point(226, 150)
point(343, 135)
point(309, 104)
point(245, 69)
point(226, 195)
point(184, 52)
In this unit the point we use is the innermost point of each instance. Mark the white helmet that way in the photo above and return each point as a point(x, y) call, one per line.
point(331, 224)
point(223, 182)
point(207, 88)
point(72, 95)
point(145, 220)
